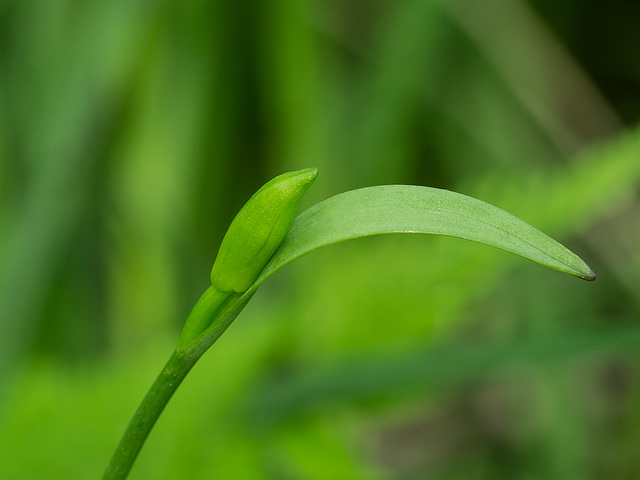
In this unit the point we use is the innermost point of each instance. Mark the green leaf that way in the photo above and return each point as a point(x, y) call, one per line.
point(414, 209)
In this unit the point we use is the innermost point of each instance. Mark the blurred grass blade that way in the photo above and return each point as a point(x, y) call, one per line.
point(414, 209)
point(387, 376)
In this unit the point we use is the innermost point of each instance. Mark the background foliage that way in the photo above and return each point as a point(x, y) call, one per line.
point(132, 132)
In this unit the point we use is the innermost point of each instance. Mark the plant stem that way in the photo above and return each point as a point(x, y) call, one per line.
point(179, 364)
point(148, 412)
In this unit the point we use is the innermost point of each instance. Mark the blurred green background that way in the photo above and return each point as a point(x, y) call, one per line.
point(131, 132)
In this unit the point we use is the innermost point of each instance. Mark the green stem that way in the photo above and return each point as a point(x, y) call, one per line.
point(148, 412)
point(218, 309)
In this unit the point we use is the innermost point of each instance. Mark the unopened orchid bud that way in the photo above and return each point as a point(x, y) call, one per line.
point(258, 230)
point(253, 237)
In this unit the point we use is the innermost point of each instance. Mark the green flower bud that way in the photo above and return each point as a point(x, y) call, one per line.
point(258, 230)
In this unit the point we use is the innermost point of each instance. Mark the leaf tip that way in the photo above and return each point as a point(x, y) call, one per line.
point(584, 271)
point(589, 276)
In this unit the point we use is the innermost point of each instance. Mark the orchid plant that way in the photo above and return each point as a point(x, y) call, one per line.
point(266, 235)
